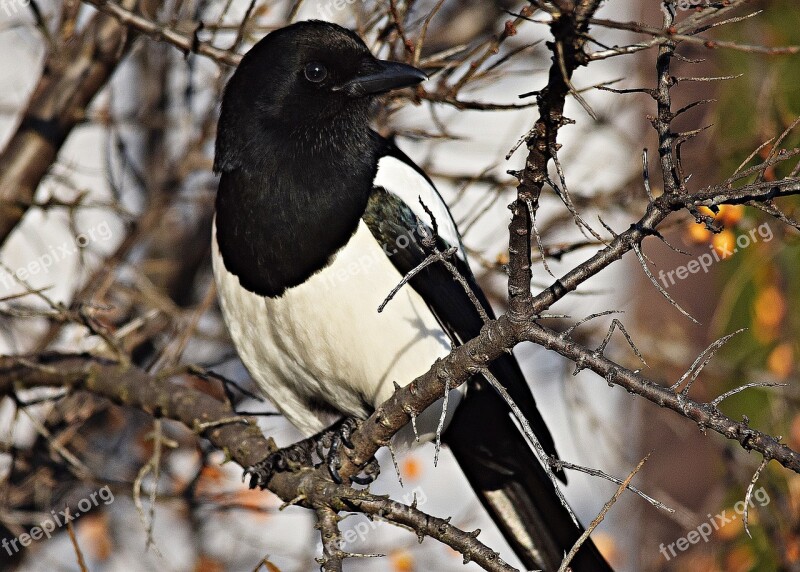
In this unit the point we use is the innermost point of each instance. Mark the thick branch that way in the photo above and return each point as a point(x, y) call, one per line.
point(72, 77)
point(569, 29)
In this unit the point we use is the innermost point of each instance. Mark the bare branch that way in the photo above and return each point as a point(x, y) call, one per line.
point(165, 33)
point(748, 497)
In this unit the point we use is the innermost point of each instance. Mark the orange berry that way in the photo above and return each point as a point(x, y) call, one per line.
point(698, 233)
point(502, 258)
point(607, 546)
point(206, 563)
point(770, 307)
point(780, 361)
point(724, 243)
point(740, 559)
point(212, 473)
point(706, 211)
point(93, 529)
point(734, 528)
point(402, 561)
point(792, 549)
point(412, 469)
point(731, 214)
point(253, 500)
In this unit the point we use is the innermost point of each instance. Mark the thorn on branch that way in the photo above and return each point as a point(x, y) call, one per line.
point(715, 403)
point(748, 497)
point(599, 518)
point(617, 324)
point(646, 176)
point(559, 464)
point(430, 259)
point(637, 249)
point(708, 354)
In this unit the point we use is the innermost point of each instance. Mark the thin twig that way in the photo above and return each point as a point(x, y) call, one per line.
point(558, 464)
point(734, 391)
point(599, 518)
point(532, 439)
point(76, 547)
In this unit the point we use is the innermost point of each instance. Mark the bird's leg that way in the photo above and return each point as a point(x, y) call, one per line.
point(342, 437)
point(300, 455)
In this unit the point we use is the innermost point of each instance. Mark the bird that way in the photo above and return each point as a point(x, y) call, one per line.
point(317, 219)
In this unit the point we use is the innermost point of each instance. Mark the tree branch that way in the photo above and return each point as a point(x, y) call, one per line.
point(239, 438)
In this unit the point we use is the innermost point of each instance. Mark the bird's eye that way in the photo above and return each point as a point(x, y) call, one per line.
point(316, 72)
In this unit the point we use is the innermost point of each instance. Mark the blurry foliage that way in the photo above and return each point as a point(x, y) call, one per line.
point(757, 287)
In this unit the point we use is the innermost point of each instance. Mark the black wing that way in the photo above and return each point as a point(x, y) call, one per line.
point(494, 455)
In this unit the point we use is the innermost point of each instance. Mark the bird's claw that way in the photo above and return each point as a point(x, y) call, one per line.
point(342, 436)
point(299, 455)
point(370, 473)
point(289, 458)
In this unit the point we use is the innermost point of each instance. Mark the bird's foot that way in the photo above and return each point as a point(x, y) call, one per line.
point(340, 436)
point(291, 458)
point(327, 444)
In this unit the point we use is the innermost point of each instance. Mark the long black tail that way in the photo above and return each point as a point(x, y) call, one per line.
point(509, 480)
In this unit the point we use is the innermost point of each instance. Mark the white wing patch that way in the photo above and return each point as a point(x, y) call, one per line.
point(403, 181)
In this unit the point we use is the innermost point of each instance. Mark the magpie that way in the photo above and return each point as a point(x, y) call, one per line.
point(317, 219)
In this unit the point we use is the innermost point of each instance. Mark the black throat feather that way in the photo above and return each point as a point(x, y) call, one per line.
point(289, 199)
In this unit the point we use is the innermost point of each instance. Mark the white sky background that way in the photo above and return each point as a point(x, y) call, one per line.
point(587, 417)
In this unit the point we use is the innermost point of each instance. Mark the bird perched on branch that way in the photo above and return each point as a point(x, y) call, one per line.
point(318, 219)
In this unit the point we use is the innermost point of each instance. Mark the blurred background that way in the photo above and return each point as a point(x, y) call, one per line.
point(115, 242)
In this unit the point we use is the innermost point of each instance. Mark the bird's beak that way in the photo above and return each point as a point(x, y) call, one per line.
point(380, 76)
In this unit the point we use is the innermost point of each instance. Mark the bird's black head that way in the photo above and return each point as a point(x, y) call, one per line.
point(302, 83)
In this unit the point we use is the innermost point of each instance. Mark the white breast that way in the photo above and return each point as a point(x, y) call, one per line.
point(325, 342)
